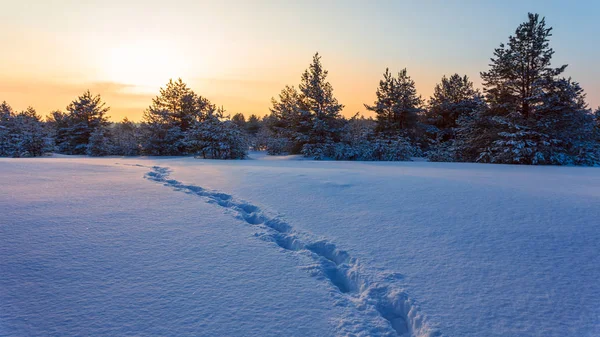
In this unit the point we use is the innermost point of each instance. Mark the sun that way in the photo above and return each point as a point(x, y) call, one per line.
point(144, 64)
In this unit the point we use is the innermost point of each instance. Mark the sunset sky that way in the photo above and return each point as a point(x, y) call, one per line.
point(240, 53)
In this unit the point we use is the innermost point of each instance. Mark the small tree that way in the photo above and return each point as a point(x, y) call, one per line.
point(239, 120)
point(172, 113)
point(254, 125)
point(84, 115)
point(125, 138)
point(289, 125)
point(397, 106)
point(452, 98)
point(215, 138)
point(22, 134)
point(7, 144)
point(99, 144)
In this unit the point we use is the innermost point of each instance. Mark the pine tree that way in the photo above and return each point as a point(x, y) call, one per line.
point(7, 145)
point(253, 125)
point(239, 120)
point(289, 125)
point(521, 70)
point(172, 113)
point(531, 110)
point(397, 106)
point(216, 138)
point(452, 98)
point(125, 138)
point(85, 114)
point(99, 144)
point(22, 134)
point(325, 125)
point(58, 123)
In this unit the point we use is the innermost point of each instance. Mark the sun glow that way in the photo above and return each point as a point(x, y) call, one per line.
point(144, 65)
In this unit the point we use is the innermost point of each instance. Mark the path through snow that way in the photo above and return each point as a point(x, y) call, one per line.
point(373, 295)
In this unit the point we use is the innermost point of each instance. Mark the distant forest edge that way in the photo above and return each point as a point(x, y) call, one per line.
point(527, 114)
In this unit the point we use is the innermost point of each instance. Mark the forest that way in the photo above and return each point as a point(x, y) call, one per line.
point(527, 112)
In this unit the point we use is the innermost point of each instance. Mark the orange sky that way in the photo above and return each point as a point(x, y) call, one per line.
point(239, 54)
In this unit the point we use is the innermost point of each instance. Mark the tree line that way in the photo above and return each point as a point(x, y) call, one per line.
point(527, 113)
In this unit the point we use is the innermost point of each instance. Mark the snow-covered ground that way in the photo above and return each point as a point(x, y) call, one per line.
point(282, 247)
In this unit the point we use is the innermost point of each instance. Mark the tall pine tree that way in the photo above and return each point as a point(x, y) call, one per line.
point(317, 102)
point(531, 109)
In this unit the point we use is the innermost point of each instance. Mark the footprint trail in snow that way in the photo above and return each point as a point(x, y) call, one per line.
point(379, 308)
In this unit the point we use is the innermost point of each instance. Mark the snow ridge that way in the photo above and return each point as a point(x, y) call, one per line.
point(384, 309)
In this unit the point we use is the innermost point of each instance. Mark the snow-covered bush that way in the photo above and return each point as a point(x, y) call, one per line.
point(381, 149)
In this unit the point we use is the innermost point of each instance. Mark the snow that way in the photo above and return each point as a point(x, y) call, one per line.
point(279, 246)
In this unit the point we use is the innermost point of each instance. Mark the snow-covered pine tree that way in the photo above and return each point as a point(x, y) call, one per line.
point(22, 134)
point(125, 138)
point(7, 144)
point(397, 106)
point(287, 123)
point(597, 118)
point(253, 125)
point(57, 122)
point(100, 143)
point(564, 116)
point(317, 101)
point(521, 70)
point(522, 92)
point(240, 120)
point(172, 113)
point(216, 138)
point(453, 98)
point(84, 115)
